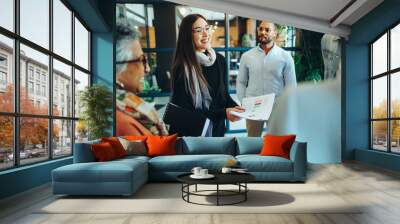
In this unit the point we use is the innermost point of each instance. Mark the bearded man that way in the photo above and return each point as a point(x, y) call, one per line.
point(265, 69)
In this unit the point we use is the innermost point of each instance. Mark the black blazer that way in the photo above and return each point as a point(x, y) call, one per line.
point(215, 76)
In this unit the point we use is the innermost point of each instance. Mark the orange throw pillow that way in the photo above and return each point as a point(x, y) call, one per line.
point(103, 152)
point(135, 137)
point(161, 145)
point(116, 145)
point(277, 145)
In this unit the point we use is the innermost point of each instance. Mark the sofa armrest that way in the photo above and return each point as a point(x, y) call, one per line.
point(83, 152)
point(298, 155)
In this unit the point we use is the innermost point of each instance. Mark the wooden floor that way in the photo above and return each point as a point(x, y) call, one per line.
point(377, 188)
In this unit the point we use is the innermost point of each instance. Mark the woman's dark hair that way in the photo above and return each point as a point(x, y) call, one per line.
point(185, 55)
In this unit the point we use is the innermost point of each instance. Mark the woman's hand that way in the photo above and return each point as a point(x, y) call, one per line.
point(232, 117)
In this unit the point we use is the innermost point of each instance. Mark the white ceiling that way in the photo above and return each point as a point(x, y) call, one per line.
point(321, 9)
point(315, 15)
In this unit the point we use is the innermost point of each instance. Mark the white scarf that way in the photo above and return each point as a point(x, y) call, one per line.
point(202, 96)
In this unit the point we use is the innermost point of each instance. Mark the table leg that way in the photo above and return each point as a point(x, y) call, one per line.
point(188, 190)
point(182, 189)
point(217, 194)
point(196, 188)
point(245, 193)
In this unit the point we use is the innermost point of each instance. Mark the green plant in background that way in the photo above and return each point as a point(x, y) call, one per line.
point(281, 35)
point(281, 29)
point(96, 104)
point(150, 89)
point(313, 75)
point(308, 61)
point(246, 40)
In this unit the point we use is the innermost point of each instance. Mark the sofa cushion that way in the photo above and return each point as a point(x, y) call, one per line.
point(133, 157)
point(277, 145)
point(208, 145)
point(134, 147)
point(103, 152)
point(135, 137)
point(116, 144)
point(257, 163)
point(185, 163)
point(112, 171)
point(249, 145)
point(161, 145)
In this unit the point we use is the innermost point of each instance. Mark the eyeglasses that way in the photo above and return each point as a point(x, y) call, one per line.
point(200, 30)
point(142, 58)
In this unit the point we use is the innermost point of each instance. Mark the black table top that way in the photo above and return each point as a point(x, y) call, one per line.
point(220, 178)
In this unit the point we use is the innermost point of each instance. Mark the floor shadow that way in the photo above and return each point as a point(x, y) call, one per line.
point(255, 198)
point(148, 191)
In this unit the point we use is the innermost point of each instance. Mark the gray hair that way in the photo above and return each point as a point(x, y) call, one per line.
point(125, 34)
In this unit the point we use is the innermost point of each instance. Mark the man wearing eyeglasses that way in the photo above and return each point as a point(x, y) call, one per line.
point(264, 69)
point(134, 115)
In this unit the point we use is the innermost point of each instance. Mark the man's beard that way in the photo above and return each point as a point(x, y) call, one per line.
point(264, 41)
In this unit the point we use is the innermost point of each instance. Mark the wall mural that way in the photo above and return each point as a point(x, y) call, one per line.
point(304, 71)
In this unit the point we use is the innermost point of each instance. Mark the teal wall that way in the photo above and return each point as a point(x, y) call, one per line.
point(357, 85)
point(24, 178)
point(102, 58)
point(103, 62)
point(98, 16)
point(91, 12)
point(380, 159)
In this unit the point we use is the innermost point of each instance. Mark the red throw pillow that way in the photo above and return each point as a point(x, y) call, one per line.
point(277, 145)
point(161, 145)
point(103, 152)
point(116, 145)
point(135, 137)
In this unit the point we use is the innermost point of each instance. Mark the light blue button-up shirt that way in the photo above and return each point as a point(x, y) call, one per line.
point(261, 73)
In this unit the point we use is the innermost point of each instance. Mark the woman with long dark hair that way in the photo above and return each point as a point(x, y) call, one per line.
point(198, 76)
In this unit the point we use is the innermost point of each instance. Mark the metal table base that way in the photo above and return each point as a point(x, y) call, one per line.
point(241, 191)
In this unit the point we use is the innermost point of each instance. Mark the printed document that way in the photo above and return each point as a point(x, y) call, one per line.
point(205, 127)
point(257, 108)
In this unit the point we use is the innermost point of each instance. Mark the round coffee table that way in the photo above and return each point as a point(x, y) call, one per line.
point(238, 179)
